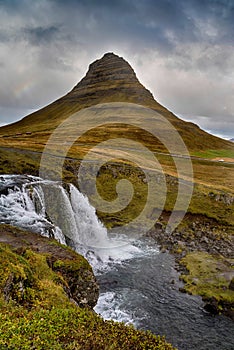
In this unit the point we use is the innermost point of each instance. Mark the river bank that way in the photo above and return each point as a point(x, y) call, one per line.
point(203, 249)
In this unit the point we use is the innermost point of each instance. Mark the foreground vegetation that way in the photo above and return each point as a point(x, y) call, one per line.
point(39, 308)
point(69, 328)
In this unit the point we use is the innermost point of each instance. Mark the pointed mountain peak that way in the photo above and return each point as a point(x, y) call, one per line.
point(112, 66)
point(110, 78)
point(109, 67)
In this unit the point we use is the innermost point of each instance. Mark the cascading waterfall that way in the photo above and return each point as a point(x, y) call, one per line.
point(91, 231)
point(22, 204)
point(45, 207)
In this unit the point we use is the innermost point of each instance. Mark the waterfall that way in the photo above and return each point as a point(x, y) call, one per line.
point(45, 207)
point(91, 231)
point(22, 204)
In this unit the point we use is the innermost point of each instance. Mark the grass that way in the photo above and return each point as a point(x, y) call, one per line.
point(211, 203)
point(18, 162)
point(209, 276)
point(213, 183)
point(70, 328)
point(215, 153)
point(207, 201)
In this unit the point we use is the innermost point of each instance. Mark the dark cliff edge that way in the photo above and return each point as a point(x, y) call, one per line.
point(47, 292)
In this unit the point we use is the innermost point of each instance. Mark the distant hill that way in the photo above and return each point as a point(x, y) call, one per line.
point(109, 79)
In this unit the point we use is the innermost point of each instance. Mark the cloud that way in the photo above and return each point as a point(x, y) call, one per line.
point(41, 35)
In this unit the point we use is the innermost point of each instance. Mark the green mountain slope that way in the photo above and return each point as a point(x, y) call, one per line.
point(109, 79)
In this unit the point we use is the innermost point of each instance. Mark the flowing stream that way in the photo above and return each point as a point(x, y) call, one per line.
point(138, 284)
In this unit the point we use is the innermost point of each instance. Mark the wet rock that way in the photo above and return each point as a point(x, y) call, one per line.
point(212, 306)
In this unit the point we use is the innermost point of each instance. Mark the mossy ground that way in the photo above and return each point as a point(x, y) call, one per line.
point(69, 328)
point(36, 312)
point(209, 276)
point(28, 280)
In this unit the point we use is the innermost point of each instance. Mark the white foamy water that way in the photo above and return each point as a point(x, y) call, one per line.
point(22, 205)
point(109, 307)
point(112, 306)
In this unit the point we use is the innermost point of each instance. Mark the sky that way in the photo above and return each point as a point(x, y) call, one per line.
point(181, 50)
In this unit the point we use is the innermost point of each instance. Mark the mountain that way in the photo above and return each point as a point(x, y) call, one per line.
point(206, 232)
point(109, 79)
point(232, 139)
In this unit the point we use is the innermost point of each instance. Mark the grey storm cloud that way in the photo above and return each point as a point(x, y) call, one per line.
point(41, 35)
point(182, 50)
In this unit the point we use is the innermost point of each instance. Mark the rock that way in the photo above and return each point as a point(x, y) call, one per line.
point(181, 244)
point(212, 306)
point(78, 280)
point(110, 76)
point(8, 287)
point(205, 240)
point(163, 249)
point(192, 245)
point(158, 226)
